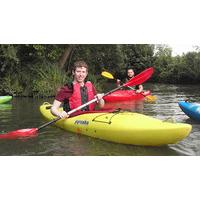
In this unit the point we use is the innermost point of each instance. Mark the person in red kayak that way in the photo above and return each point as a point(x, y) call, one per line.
point(130, 74)
point(76, 93)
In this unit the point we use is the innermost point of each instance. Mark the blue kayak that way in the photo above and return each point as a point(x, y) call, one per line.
point(191, 109)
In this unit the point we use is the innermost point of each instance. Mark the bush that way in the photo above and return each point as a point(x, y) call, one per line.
point(49, 78)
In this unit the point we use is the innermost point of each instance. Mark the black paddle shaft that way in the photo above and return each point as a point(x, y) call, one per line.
point(48, 123)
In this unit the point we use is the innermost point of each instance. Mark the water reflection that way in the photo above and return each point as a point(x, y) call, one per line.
point(132, 106)
point(5, 116)
point(5, 107)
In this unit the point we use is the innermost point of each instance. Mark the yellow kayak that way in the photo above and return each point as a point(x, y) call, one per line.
point(122, 127)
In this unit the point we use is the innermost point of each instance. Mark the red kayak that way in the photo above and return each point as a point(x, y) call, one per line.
point(126, 95)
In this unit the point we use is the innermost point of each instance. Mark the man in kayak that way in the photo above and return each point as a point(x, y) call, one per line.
point(130, 74)
point(77, 93)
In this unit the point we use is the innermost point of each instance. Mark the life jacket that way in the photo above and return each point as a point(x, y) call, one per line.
point(79, 97)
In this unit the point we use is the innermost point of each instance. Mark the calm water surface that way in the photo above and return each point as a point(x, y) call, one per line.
point(24, 113)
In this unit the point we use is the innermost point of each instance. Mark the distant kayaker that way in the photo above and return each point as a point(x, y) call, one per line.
point(130, 74)
point(76, 93)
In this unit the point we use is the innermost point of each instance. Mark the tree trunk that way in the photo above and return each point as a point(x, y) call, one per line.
point(65, 56)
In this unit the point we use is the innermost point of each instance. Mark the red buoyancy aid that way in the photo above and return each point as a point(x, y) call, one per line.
point(76, 100)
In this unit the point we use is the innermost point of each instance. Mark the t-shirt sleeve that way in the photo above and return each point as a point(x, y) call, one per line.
point(63, 93)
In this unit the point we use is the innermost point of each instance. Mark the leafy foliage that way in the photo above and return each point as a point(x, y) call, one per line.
point(35, 69)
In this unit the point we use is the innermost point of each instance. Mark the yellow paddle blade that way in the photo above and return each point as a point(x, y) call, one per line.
point(107, 75)
point(150, 98)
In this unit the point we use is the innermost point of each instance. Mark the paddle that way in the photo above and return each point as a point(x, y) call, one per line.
point(149, 98)
point(33, 132)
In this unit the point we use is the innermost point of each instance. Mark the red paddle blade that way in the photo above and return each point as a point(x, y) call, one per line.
point(140, 78)
point(20, 134)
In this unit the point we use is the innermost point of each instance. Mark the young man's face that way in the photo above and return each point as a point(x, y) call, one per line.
point(130, 73)
point(80, 74)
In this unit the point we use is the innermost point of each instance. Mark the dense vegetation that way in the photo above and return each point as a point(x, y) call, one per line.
point(39, 69)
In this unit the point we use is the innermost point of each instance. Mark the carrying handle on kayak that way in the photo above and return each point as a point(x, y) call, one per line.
point(140, 78)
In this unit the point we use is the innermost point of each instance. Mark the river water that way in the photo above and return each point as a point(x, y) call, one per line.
point(24, 113)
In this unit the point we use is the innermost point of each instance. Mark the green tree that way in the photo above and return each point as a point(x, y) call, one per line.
point(163, 61)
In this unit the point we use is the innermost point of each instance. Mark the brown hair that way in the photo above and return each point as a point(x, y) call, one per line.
point(79, 64)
